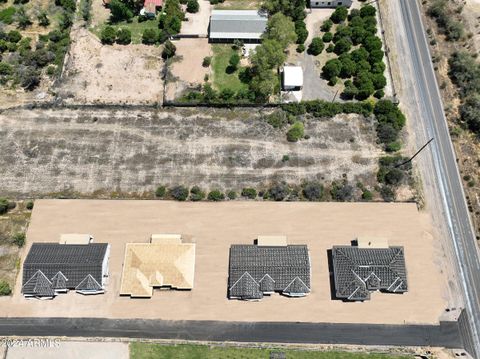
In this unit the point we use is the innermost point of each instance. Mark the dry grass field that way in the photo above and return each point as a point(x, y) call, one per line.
point(52, 151)
point(214, 227)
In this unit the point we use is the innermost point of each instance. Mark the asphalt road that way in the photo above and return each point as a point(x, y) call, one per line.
point(446, 334)
point(448, 184)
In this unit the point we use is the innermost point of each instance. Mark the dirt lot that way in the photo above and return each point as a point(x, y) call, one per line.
point(187, 70)
point(197, 24)
point(214, 226)
point(110, 74)
point(48, 151)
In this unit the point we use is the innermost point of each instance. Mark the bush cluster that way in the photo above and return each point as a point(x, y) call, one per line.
point(6, 205)
point(446, 20)
point(295, 132)
point(392, 174)
point(170, 21)
point(390, 121)
point(109, 36)
point(5, 288)
point(361, 68)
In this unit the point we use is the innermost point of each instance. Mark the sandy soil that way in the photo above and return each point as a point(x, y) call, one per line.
point(214, 227)
point(111, 74)
point(314, 20)
point(70, 350)
point(197, 24)
point(99, 12)
point(189, 68)
point(48, 151)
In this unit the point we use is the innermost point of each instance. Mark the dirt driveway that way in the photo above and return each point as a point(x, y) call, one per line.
point(197, 24)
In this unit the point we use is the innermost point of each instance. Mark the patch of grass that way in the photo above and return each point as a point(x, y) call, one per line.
point(135, 27)
point(6, 15)
point(238, 5)
point(150, 351)
point(223, 78)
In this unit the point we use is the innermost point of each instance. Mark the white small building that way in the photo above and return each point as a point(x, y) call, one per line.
point(330, 4)
point(292, 78)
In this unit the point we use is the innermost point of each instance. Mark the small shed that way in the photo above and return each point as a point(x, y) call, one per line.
point(292, 78)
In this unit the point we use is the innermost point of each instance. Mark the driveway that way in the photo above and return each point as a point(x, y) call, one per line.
point(197, 24)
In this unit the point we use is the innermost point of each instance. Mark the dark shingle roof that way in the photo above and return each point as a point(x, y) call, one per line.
point(357, 271)
point(74, 262)
point(38, 285)
point(89, 284)
point(267, 269)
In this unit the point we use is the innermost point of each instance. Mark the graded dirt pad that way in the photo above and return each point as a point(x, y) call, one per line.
point(189, 66)
point(47, 151)
point(214, 227)
point(110, 74)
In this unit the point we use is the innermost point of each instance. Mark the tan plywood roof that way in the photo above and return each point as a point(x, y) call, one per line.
point(75, 238)
point(372, 242)
point(158, 264)
point(272, 241)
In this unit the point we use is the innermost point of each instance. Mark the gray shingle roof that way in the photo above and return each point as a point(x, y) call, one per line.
point(237, 24)
point(38, 285)
point(357, 271)
point(74, 262)
point(255, 270)
point(89, 284)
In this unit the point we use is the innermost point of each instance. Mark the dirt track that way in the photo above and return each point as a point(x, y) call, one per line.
point(47, 151)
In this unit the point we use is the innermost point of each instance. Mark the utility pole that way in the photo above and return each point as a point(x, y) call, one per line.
point(416, 153)
point(335, 96)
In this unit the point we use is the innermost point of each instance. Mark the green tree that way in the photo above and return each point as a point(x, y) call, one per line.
point(234, 61)
point(268, 55)
point(263, 84)
point(327, 25)
point(281, 29)
point(149, 36)
point(350, 90)
point(327, 37)
point(124, 36)
point(348, 66)
point(331, 69)
point(364, 85)
point(342, 46)
point(5, 69)
point(193, 6)
point(367, 10)
point(379, 81)
point(169, 50)
point(340, 14)
point(295, 132)
point(119, 11)
point(316, 46)
point(160, 191)
point(108, 35)
point(14, 36)
point(301, 31)
point(372, 43)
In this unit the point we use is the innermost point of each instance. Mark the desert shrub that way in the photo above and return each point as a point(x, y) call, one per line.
point(5, 288)
point(300, 48)
point(169, 50)
point(465, 72)
point(22, 17)
point(29, 205)
point(316, 46)
point(207, 60)
point(295, 132)
point(14, 36)
point(43, 19)
point(367, 195)
point(160, 191)
point(196, 194)
point(470, 112)
point(278, 192)
point(193, 6)
point(234, 61)
point(342, 192)
point(5, 69)
point(249, 193)
point(124, 37)
point(7, 15)
point(4, 205)
point(394, 177)
point(216, 196)
point(277, 119)
point(387, 193)
point(313, 191)
point(232, 195)
point(108, 35)
point(18, 239)
point(180, 193)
